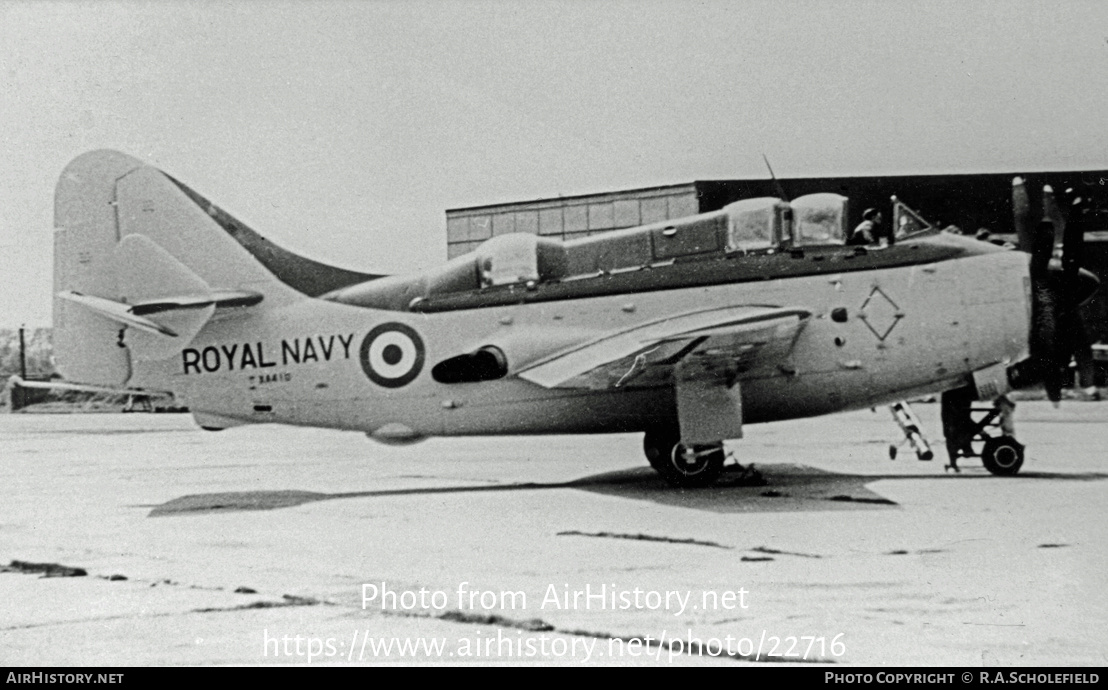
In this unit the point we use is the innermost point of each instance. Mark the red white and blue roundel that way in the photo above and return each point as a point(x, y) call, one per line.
point(392, 355)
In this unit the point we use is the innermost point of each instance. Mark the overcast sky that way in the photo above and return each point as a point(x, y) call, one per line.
point(343, 130)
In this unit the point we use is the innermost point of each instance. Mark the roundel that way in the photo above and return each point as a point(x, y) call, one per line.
point(392, 355)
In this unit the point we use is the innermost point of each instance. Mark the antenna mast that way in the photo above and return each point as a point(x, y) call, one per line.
point(780, 189)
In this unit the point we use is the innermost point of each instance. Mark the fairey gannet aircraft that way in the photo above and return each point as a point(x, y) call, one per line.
point(686, 330)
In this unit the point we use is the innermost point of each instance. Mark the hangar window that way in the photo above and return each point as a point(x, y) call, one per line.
point(457, 229)
point(480, 228)
point(625, 213)
point(576, 218)
point(527, 221)
point(503, 224)
point(550, 221)
point(683, 206)
point(601, 216)
point(653, 210)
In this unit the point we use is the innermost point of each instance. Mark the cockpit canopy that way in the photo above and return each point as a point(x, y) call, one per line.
point(820, 219)
point(519, 258)
point(767, 222)
point(759, 225)
point(754, 224)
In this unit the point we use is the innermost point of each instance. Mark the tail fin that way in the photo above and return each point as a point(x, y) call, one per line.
point(141, 262)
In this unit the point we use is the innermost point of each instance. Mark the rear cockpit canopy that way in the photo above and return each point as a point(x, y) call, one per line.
point(520, 258)
point(762, 225)
point(755, 224)
point(819, 219)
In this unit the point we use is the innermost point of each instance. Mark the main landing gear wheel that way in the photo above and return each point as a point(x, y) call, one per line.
point(683, 466)
point(1002, 455)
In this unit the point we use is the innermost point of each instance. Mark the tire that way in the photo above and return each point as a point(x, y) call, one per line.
point(1002, 456)
point(681, 466)
point(657, 446)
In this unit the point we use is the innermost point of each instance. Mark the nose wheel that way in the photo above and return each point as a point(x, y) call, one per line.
point(966, 424)
point(1002, 455)
point(683, 466)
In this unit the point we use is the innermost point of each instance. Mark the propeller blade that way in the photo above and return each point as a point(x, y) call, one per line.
point(1021, 211)
point(1058, 285)
point(1053, 214)
point(1073, 245)
point(1044, 335)
point(1080, 284)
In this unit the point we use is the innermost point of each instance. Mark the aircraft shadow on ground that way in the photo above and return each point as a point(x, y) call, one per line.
point(786, 488)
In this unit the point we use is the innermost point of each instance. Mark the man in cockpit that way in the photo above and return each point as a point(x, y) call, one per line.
point(868, 231)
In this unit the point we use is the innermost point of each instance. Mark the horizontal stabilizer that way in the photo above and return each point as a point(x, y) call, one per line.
point(117, 311)
point(217, 298)
point(152, 281)
point(61, 385)
point(161, 298)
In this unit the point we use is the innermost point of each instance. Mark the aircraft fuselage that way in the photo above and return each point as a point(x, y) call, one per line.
point(876, 335)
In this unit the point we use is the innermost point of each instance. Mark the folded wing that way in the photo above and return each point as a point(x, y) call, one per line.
point(716, 345)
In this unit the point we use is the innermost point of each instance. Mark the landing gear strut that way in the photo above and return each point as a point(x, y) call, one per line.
point(1001, 454)
point(680, 465)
